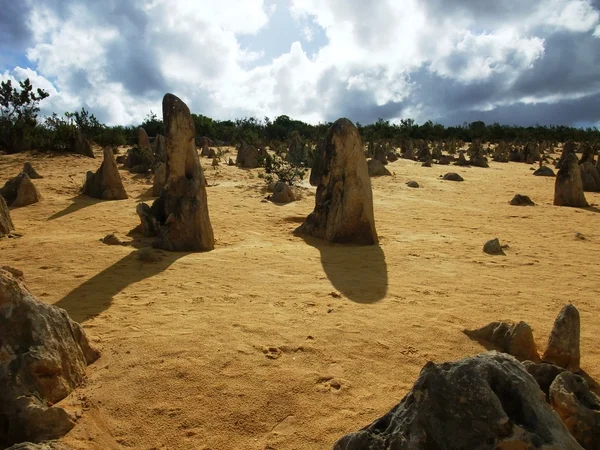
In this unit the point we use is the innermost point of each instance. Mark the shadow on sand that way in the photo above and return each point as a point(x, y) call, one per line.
point(358, 272)
point(79, 202)
point(95, 295)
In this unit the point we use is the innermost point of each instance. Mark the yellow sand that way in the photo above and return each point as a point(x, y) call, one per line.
point(249, 346)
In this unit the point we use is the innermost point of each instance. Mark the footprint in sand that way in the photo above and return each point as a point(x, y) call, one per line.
point(272, 352)
point(331, 384)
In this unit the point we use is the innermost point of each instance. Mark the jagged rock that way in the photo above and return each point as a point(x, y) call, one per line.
point(50, 445)
point(578, 407)
point(590, 177)
point(160, 148)
point(106, 183)
point(160, 179)
point(43, 356)
point(452, 176)
point(516, 339)
point(231, 162)
point(521, 200)
point(6, 223)
point(282, 193)
point(80, 144)
point(392, 157)
point(30, 171)
point(376, 169)
point(563, 343)
point(544, 171)
point(143, 140)
point(488, 401)
point(249, 157)
point(179, 217)
point(413, 184)
point(568, 188)
point(20, 191)
point(344, 200)
point(544, 374)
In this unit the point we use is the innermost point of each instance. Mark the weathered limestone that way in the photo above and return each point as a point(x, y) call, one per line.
point(43, 356)
point(377, 169)
point(578, 407)
point(160, 179)
point(563, 343)
point(488, 401)
point(568, 188)
point(106, 183)
point(30, 171)
point(20, 191)
point(516, 339)
point(344, 200)
point(179, 217)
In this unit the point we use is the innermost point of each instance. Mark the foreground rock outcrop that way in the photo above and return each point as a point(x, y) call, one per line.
point(179, 217)
point(106, 183)
point(43, 357)
point(578, 407)
point(20, 191)
point(488, 401)
point(344, 200)
point(568, 188)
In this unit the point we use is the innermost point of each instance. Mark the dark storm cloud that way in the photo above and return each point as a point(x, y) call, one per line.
point(14, 29)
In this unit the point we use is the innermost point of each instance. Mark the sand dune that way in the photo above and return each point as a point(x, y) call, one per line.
point(249, 346)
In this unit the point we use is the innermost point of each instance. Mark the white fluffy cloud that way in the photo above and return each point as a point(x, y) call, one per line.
point(426, 58)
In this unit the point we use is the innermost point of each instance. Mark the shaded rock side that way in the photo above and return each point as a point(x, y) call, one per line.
point(20, 191)
point(484, 402)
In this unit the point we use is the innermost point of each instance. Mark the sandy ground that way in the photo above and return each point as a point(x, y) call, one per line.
point(249, 346)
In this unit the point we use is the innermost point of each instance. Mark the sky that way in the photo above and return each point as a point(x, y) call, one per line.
point(516, 62)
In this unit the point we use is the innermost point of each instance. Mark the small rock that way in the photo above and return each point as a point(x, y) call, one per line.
point(282, 193)
point(493, 247)
point(544, 171)
point(563, 343)
point(413, 184)
point(521, 200)
point(580, 236)
point(452, 176)
point(111, 239)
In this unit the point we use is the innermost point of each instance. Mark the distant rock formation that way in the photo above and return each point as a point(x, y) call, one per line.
point(344, 200)
point(106, 183)
point(568, 188)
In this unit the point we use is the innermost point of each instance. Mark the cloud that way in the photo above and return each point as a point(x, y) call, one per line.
point(451, 60)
